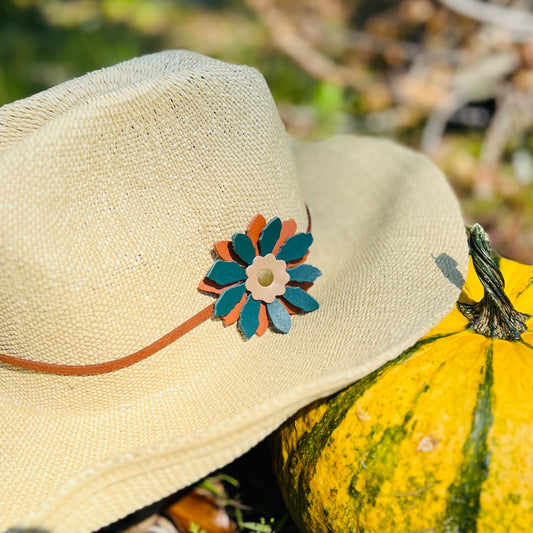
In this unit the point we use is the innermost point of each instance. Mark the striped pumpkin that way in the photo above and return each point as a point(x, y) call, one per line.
point(438, 440)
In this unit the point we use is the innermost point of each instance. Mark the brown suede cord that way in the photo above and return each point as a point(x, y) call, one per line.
point(117, 364)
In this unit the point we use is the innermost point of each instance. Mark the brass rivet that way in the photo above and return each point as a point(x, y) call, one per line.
point(265, 278)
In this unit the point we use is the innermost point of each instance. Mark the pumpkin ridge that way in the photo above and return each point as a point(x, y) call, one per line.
point(525, 289)
point(383, 452)
point(519, 279)
point(311, 445)
point(465, 493)
point(392, 436)
point(522, 341)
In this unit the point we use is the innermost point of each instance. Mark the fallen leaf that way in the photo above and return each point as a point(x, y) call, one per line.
point(199, 510)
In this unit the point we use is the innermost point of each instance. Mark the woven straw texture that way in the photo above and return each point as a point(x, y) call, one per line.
point(114, 187)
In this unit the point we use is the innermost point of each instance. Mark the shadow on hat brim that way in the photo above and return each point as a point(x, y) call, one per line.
point(390, 242)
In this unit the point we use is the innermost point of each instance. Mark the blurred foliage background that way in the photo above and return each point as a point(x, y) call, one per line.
point(451, 78)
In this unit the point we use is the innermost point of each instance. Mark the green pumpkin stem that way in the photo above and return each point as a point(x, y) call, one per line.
point(494, 316)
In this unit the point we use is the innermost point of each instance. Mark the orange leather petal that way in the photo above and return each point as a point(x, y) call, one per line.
point(288, 229)
point(255, 228)
point(233, 315)
point(263, 320)
point(209, 285)
point(223, 250)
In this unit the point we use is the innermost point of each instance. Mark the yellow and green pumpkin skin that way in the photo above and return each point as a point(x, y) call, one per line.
point(438, 440)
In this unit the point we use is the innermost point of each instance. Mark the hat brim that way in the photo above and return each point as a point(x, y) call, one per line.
point(390, 242)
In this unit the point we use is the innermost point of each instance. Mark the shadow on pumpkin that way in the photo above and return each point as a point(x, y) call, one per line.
point(448, 266)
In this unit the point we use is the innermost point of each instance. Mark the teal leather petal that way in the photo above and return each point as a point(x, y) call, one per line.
point(279, 316)
point(244, 248)
point(300, 299)
point(269, 236)
point(304, 272)
point(224, 272)
point(295, 247)
point(249, 317)
point(228, 299)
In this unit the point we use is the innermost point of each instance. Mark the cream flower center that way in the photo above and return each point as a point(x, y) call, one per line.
point(267, 277)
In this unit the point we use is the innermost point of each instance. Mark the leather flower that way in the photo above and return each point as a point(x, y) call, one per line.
point(262, 277)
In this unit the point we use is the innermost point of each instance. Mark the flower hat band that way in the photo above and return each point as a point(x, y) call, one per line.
point(261, 275)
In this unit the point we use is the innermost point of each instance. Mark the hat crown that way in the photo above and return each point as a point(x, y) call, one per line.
point(115, 186)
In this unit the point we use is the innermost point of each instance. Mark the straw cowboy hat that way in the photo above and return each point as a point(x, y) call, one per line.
point(177, 278)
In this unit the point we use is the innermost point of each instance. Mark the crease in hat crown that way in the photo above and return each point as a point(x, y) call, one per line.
point(116, 185)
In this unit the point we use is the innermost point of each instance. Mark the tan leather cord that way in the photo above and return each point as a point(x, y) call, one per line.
point(117, 364)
